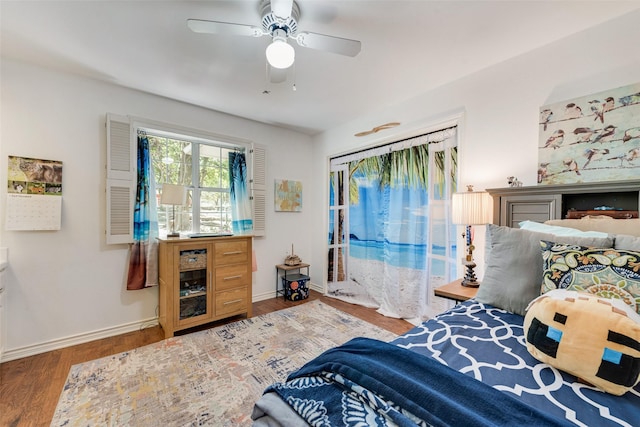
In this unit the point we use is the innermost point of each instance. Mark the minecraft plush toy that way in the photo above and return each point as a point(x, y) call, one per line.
point(594, 338)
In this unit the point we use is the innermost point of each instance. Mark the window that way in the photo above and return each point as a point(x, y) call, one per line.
point(203, 167)
point(197, 160)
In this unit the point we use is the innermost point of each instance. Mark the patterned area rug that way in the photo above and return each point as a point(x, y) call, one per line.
point(211, 377)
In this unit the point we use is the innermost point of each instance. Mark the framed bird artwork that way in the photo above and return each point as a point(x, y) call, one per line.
point(594, 138)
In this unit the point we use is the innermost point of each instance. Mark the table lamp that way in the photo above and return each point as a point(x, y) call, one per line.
point(471, 208)
point(174, 195)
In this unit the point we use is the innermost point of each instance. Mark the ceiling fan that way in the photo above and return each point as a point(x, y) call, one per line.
point(280, 22)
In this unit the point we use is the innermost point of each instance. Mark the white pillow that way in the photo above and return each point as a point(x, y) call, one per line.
point(558, 230)
point(603, 223)
point(629, 243)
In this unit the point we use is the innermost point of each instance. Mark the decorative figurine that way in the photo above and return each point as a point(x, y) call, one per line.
point(513, 181)
point(292, 259)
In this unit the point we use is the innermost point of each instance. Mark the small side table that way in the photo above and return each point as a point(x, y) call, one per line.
point(455, 291)
point(286, 269)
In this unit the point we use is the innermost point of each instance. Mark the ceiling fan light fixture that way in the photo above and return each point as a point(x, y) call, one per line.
point(280, 54)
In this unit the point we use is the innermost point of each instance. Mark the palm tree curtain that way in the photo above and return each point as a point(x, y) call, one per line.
point(241, 222)
point(143, 254)
point(390, 239)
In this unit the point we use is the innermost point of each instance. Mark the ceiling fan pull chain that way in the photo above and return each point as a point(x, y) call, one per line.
point(294, 89)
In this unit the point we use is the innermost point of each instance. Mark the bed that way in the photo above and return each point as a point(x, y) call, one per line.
point(473, 364)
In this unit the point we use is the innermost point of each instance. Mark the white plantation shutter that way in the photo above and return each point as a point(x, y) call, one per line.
point(258, 204)
point(258, 182)
point(258, 167)
point(121, 179)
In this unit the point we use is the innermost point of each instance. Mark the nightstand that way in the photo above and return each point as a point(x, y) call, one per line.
point(455, 291)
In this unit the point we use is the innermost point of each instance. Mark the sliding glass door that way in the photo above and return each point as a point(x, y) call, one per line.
point(338, 223)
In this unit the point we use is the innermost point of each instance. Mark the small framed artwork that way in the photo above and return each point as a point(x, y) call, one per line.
point(288, 195)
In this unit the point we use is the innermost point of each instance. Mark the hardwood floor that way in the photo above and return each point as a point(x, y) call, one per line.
point(30, 387)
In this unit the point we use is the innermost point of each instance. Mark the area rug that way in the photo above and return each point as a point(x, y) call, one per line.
point(212, 377)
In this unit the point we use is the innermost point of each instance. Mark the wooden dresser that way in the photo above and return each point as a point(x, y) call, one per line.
point(203, 280)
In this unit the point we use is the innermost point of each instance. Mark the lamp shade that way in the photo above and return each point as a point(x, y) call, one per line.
point(173, 194)
point(471, 208)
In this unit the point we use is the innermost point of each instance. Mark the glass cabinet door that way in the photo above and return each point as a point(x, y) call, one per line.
point(193, 287)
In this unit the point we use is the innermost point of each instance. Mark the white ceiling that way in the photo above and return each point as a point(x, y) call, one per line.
point(408, 47)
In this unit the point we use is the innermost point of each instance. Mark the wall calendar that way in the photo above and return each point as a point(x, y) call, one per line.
point(34, 194)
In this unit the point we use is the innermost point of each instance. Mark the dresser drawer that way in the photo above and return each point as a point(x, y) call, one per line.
point(232, 276)
point(228, 302)
point(231, 252)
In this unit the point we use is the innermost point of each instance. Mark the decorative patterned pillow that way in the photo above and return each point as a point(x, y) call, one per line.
point(606, 354)
point(608, 273)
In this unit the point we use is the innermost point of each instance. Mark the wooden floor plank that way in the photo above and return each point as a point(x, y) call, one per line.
point(30, 387)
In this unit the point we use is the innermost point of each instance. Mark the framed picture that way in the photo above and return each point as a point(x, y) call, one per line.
point(288, 195)
point(591, 139)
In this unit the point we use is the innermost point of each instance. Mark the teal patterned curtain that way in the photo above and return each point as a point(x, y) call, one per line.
point(241, 221)
point(143, 256)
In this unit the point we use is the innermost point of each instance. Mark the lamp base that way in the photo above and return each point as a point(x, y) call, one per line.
point(173, 235)
point(470, 280)
point(470, 284)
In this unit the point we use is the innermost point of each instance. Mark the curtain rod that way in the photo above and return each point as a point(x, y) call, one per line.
point(427, 138)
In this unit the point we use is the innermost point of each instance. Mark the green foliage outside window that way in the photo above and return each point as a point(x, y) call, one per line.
point(208, 208)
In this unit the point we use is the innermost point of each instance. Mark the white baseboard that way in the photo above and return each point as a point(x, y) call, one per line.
point(263, 296)
point(316, 288)
point(30, 350)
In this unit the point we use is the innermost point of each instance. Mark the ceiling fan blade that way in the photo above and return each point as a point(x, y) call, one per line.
point(337, 45)
point(216, 27)
point(277, 75)
point(281, 8)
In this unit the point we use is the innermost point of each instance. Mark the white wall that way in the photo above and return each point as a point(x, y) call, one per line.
point(68, 286)
point(499, 132)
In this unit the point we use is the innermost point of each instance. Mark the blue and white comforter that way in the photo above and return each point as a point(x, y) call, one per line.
point(366, 382)
point(488, 344)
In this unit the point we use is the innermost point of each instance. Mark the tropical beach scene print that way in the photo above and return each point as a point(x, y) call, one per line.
point(399, 243)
